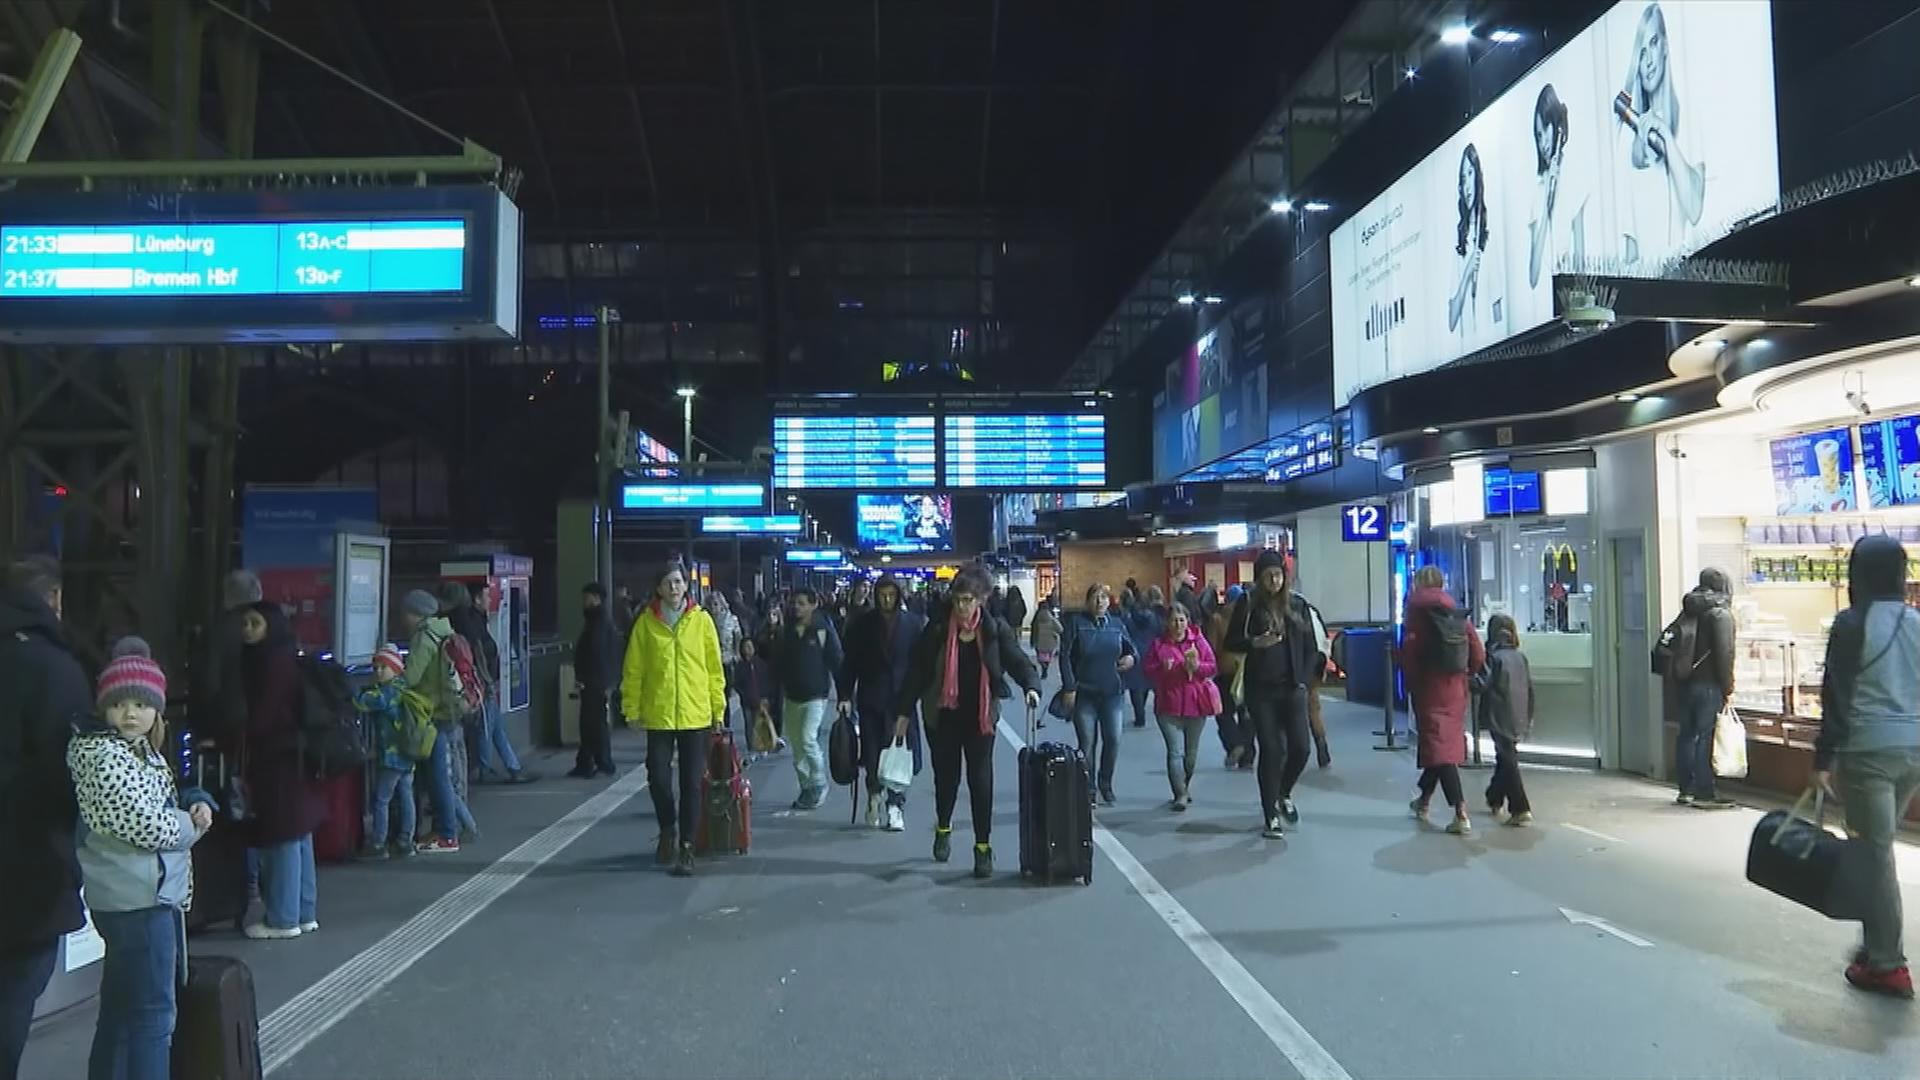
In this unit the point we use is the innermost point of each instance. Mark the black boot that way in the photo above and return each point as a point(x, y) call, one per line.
point(1324, 755)
point(683, 866)
point(663, 852)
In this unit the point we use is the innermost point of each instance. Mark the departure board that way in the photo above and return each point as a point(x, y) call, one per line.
point(1026, 451)
point(674, 499)
point(190, 259)
point(865, 452)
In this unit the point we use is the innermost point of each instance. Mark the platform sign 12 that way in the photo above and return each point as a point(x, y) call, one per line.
point(1364, 523)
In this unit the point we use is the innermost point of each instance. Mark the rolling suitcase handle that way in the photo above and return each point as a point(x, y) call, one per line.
point(1033, 723)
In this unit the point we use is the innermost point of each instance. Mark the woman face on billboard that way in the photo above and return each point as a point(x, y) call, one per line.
point(1651, 59)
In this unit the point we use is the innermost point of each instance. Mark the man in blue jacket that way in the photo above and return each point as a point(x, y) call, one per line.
point(806, 659)
point(46, 695)
point(879, 642)
point(1095, 654)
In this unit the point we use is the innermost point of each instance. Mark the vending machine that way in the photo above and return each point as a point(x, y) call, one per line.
point(508, 579)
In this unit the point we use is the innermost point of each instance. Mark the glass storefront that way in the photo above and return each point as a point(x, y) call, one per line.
point(1521, 542)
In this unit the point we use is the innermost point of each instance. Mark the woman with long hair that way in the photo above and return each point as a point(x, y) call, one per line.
point(1648, 108)
point(675, 688)
point(1439, 692)
point(1274, 629)
point(958, 673)
point(1551, 128)
point(284, 809)
point(1470, 241)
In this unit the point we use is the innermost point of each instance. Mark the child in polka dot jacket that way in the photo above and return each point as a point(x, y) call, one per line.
point(134, 839)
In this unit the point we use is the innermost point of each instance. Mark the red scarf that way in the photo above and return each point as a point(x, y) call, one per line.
point(950, 686)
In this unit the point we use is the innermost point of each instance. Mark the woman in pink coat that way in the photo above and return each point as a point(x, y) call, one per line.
point(1180, 665)
point(1437, 670)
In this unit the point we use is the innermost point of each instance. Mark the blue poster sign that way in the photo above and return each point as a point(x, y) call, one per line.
point(1813, 473)
point(1890, 455)
point(292, 527)
point(1364, 523)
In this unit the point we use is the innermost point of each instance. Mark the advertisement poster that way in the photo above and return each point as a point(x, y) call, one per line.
point(286, 536)
point(1813, 473)
point(1890, 455)
point(1635, 144)
point(905, 524)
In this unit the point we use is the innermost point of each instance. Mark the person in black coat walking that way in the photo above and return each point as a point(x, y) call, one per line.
point(45, 695)
point(594, 675)
point(874, 666)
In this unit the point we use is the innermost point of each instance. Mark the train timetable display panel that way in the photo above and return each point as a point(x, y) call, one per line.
point(854, 451)
point(1025, 451)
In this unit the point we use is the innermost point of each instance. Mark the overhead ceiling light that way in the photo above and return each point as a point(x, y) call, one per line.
point(1457, 34)
point(1716, 344)
point(687, 392)
point(1429, 430)
point(1213, 298)
point(1412, 73)
point(1186, 299)
point(1759, 343)
point(1281, 206)
point(1627, 398)
point(1913, 282)
point(1316, 206)
point(1504, 36)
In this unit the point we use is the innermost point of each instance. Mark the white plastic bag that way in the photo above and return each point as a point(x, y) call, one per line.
point(896, 766)
point(1729, 745)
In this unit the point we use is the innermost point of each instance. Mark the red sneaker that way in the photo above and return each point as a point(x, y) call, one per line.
point(1896, 982)
point(439, 845)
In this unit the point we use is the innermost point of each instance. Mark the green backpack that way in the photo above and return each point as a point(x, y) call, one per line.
point(414, 731)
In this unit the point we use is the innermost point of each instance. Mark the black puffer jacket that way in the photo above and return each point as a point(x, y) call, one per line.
point(45, 697)
point(1711, 605)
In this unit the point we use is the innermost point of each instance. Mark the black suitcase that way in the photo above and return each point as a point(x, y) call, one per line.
point(220, 892)
point(216, 1034)
point(1056, 812)
point(1792, 856)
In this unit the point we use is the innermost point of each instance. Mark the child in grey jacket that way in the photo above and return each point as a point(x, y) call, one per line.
point(1506, 713)
point(134, 841)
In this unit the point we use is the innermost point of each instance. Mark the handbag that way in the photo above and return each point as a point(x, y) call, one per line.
point(1729, 745)
point(896, 766)
point(764, 738)
point(1793, 856)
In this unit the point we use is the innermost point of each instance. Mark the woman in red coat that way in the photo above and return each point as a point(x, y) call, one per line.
point(1439, 694)
point(284, 809)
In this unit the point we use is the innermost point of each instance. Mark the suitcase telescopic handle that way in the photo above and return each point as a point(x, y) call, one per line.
point(1033, 723)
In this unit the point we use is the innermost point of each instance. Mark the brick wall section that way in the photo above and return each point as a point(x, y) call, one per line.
point(1110, 564)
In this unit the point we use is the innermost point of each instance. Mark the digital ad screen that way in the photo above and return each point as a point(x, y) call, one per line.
point(1890, 455)
point(1813, 473)
point(1026, 451)
point(905, 524)
point(1510, 493)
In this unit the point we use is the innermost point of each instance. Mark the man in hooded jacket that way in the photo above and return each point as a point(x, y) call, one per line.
point(1703, 685)
point(873, 668)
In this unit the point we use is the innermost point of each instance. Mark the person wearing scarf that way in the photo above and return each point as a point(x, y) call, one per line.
point(958, 673)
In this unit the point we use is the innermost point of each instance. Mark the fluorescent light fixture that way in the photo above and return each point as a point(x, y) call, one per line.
point(1281, 206)
point(1913, 282)
point(1457, 34)
point(1429, 430)
point(1186, 299)
point(1759, 343)
point(687, 392)
point(1213, 298)
point(1412, 73)
point(1316, 206)
point(886, 558)
point(1504, 36)
point(1627, 398)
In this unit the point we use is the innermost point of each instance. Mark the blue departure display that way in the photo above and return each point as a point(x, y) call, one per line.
point(761, 525)
point(816, 556)
point(1026, 451)
point(814, 452)
point(223, 259)
point(674, 498)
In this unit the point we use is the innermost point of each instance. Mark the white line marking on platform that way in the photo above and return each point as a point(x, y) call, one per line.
point(1299, 1046)
point(1581, 918)
point(1595, 833)
point(314, 1011)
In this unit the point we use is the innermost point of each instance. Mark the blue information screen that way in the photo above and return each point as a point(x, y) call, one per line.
point(1890, 453)
point(816, 556)
point(189, 259)
point(672, 498)
point(1509, 493)
point(1026, 451)
point(812, 452)
point(759, 525)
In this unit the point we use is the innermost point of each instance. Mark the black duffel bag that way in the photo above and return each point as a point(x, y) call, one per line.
point(1796, 857)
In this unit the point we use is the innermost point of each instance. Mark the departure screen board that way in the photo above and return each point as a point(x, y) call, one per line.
point(1026, 451)
point(675, 499)
point(853, 452)
point(191, 259)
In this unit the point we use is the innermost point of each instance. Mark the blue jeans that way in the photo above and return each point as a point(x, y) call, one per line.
point(1097, 719)
point(134, 1034)
point(391, 786)
point(288, 885)
point(1182, 736)
point(1693, 747)
point(450, 813)
point(803, 721)
point(24, 975)
point(493, 740)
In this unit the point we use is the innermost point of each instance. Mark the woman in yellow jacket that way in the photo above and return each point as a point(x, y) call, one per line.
point(674, 687)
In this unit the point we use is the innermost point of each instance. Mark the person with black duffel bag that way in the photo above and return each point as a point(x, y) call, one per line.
point(1870, 730)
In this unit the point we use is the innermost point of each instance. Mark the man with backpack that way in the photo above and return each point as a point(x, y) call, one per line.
point(1696, 653)
point(432, 672)
point(465, 608)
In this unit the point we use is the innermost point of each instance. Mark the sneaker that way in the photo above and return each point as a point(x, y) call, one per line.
point(607, 771)
point(580, 773)
point(1715, 803)
point(405, 851)
point(1274, 830)
point(522, 777)
point(1235, 755)
point(1106, 797)
point(982, 861)
point(683, 866)
point(873, 811)
point(942, 845)
point(1683, 799)
point(263, 932)
point(1896, 982)
point(440, 845)
point(1178, 805)
point(1289, 811)
point(1419, 808)
point(309, 926)
point(1460, 827)
point(371, 853)
point(896, 819)
point(663, 850)
point(1521, 820)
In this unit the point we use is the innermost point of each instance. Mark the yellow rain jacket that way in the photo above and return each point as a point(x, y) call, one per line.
point(673, 679)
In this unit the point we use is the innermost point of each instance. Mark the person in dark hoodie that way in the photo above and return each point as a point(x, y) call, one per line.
point(285, 807)
point(46, 697)
point(1273, 628)
point(594, 676)
point(879, 643)
point(1702, 683)
point(1506, 711)
point(806, 657)
point(1870, 730)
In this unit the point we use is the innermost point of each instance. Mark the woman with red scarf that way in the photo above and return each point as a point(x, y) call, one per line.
point(958, 673)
